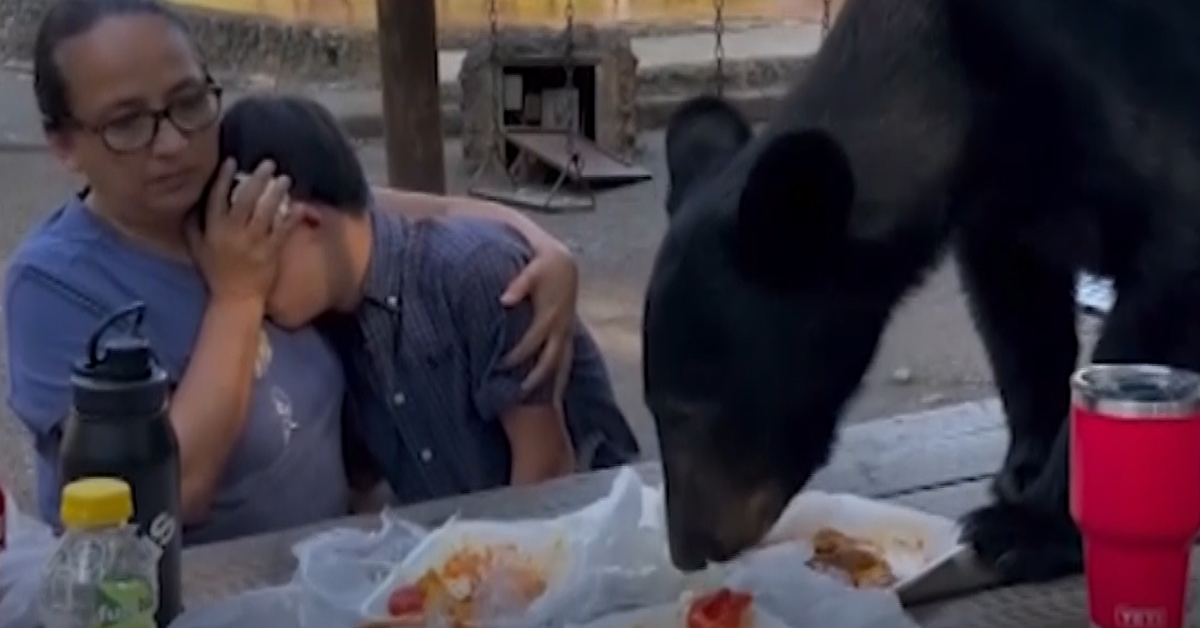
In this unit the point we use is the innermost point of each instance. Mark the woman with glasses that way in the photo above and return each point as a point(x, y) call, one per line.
point(126, 103)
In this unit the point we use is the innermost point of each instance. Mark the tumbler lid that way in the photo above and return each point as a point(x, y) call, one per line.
point(1137, 391)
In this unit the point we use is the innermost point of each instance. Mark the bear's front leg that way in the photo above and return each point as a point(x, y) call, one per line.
point(1024, 310)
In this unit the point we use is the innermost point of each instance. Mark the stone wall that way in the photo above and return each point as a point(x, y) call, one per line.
point(233, 43)
point(288, 51)
point(616, 86)
point(257, 53)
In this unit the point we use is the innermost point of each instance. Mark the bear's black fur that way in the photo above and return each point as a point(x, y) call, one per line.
point(1031, 138)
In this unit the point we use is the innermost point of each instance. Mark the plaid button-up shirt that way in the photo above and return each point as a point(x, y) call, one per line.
point(425, 384)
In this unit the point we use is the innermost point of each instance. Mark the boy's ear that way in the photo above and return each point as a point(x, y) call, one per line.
point(307, 213)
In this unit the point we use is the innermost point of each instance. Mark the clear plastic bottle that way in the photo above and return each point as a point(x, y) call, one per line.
point(102, 575)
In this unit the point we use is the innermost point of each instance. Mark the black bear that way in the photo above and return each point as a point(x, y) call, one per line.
point(1031, 139)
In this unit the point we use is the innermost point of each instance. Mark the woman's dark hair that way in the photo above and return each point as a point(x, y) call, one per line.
point(306, 144)
point(65, 20)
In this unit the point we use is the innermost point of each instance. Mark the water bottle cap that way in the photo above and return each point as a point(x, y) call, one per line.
point(96, 502)
point(118, 375)
point(121, 359)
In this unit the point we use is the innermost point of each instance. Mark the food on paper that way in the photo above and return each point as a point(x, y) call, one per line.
point(466, 583)
point(723, 608)
point(911, 544)
point(855, 560)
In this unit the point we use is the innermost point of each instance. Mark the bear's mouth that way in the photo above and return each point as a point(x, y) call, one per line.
point(710, 519)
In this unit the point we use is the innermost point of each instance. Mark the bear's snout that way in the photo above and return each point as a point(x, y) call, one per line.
point(710, 519)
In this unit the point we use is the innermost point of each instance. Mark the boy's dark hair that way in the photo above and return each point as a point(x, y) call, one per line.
point(65, 20)
point(306, 144)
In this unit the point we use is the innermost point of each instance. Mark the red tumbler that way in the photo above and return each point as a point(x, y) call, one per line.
point(1135, 489)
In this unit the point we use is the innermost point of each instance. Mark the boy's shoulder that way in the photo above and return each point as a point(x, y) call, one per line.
point(470, 245)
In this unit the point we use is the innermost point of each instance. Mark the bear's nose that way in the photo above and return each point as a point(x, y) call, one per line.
point(692, 547)
point(688, 556)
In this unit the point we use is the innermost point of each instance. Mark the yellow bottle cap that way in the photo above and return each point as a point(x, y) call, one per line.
point(96, 502)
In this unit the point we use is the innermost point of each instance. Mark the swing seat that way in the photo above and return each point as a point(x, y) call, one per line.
point(539, 198)
point(552, 147)
point(580, 163)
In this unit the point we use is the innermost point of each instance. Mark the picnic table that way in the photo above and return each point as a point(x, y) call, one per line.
point(938, 461)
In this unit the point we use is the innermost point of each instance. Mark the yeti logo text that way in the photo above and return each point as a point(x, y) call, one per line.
point(162, 529)
point(1139, 617)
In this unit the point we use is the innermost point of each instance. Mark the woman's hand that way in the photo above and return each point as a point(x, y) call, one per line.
point(551, 282)
point(238, 250)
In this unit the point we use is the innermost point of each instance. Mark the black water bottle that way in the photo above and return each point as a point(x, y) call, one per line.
point(119, 427)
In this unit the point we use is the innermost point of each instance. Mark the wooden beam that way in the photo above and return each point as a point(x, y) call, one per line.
point(412, 99)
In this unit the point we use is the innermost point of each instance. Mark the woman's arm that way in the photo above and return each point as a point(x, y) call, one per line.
point(237, 253)
point(211, 403)
point(416, 206)
point(550, 281)
point(49, 321)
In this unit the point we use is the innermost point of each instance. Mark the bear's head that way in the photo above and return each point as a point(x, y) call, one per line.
point(761, 317)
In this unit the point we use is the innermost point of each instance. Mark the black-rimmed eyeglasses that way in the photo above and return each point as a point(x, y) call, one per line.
point(189, 113)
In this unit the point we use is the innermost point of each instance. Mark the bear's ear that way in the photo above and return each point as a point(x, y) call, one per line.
point(794, 208)
point(702, 136)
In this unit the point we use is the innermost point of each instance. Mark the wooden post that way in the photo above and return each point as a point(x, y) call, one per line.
point(412, 95)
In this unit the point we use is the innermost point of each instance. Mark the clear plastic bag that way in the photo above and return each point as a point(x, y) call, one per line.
point(800, 597)
point(30, 543)
point(632, 569)
point(335, 570)
point(338, 569)
point(590, 560)
point(613, 558)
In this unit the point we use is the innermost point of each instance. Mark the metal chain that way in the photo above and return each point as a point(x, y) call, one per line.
point(495, 149)
point(719, 45)
point(493, 13)
point(569, 69)
point(826, 17)
point(494, 62)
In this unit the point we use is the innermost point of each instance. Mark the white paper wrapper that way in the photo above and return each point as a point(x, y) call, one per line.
point(784, 597)
point(913, 542)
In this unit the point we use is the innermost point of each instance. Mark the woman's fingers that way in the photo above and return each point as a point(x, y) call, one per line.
point(547, 364)
point(272, 203)
point(535, 337)
point(243, 201)
point(562, 376)
point(219, 194)
point(521, 286)
point(285, 221)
